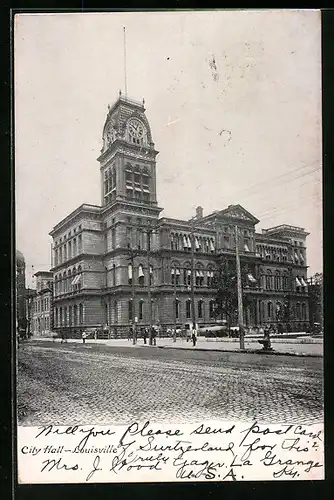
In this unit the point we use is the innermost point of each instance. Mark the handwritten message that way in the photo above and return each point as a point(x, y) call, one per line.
point(148, 452)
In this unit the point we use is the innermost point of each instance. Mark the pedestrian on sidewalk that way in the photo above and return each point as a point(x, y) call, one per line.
point(154, 336)
point(83, 336)
point(194, 335)
point(145, 332)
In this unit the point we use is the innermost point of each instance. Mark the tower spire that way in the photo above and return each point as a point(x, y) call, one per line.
point(125, 82)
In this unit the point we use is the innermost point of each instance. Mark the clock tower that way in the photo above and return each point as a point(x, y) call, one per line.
point(128, 156)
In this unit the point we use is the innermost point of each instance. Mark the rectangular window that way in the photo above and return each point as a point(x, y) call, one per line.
point(200, 309)
point(211, 308)
point(188, 309)
point(130, 310)
point(141, 303)
point(177, 308)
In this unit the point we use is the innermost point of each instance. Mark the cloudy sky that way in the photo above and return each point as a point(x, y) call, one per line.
point(233, 99)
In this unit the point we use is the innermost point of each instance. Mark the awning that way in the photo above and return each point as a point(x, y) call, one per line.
point(296, 256)
point(130, 271)
point(177, 272)
point(189, 242)
point(185, 242)
point(301, 257)
point(146, 190)
point(137, 188)
point(76, 279)
point(212, 247)
point(196, 243)
point(251, 278)
point(172, 271)
point(246, 247)
point(201, 274)
point(303, 282)
point(197, 274)
point(298, 283)
point(140, 271)
point(189, 272)
point(151, 269)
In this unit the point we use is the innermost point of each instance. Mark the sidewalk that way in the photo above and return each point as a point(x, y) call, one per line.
point(227, 345)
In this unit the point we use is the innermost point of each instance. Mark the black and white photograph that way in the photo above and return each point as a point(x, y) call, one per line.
point(169, 274)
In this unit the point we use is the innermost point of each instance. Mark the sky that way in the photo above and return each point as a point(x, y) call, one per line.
point(233, 99)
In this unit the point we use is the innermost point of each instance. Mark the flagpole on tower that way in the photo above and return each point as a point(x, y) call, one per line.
point(125, 82)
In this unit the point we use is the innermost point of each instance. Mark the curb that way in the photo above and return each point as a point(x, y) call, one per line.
point(205, 349)
point(245, 351)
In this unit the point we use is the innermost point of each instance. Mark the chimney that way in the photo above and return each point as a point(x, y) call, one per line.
point(199, 212)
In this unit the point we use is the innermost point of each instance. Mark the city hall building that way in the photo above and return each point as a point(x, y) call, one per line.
point(121, 262)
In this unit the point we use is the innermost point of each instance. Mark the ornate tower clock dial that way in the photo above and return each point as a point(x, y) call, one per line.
point(136, 129)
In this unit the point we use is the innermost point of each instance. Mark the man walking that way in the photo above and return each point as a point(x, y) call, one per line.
point(194, 335)
point(83, 336)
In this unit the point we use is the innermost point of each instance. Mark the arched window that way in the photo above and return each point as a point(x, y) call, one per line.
point(141, 308)
point(199, 275)
point(130, 277)
point(75, 314)
point(177, 308)
point(212, 308)
point(200, 309)
point(277, 280)
point(188, 308)
point(141, 276)
point(269, 280)
point(187, 274)
point(270, 310)
point(298, 311)
point(80, 314)
point(209, 277)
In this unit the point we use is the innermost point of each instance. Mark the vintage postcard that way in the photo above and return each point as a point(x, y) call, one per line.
point(168, 171)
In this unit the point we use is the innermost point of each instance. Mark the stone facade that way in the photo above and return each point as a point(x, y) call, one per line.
point(41, 305)
point(105, 256)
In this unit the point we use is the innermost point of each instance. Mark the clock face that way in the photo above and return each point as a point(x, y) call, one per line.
point(136, 129)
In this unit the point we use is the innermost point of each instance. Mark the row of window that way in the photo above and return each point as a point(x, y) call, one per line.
point(41, 304)
point(68, 250)
point(39, 325)
point(68, 281)
point(278, 282)
point(178, 305)
point(276, 311)
point(69, 315)
point(68, 235)
point(181, 241)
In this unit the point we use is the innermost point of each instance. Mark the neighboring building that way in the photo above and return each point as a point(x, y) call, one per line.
point(41, 312)
point(21, 322)
point(315, 289)
point(94, 247)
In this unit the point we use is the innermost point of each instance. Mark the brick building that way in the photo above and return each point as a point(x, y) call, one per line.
point(41, 305)
point(112, 261)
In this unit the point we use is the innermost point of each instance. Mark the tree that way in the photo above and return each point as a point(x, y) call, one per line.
point(225, 283)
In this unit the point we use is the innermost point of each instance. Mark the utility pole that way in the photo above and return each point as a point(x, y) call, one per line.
point(174, 335)
point(239, 289)
point(149, 232)
point(133, 295)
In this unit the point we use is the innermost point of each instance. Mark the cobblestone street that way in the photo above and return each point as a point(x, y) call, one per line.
point(93, 383)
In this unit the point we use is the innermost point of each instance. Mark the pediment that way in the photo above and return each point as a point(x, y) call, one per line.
point(237, 212)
